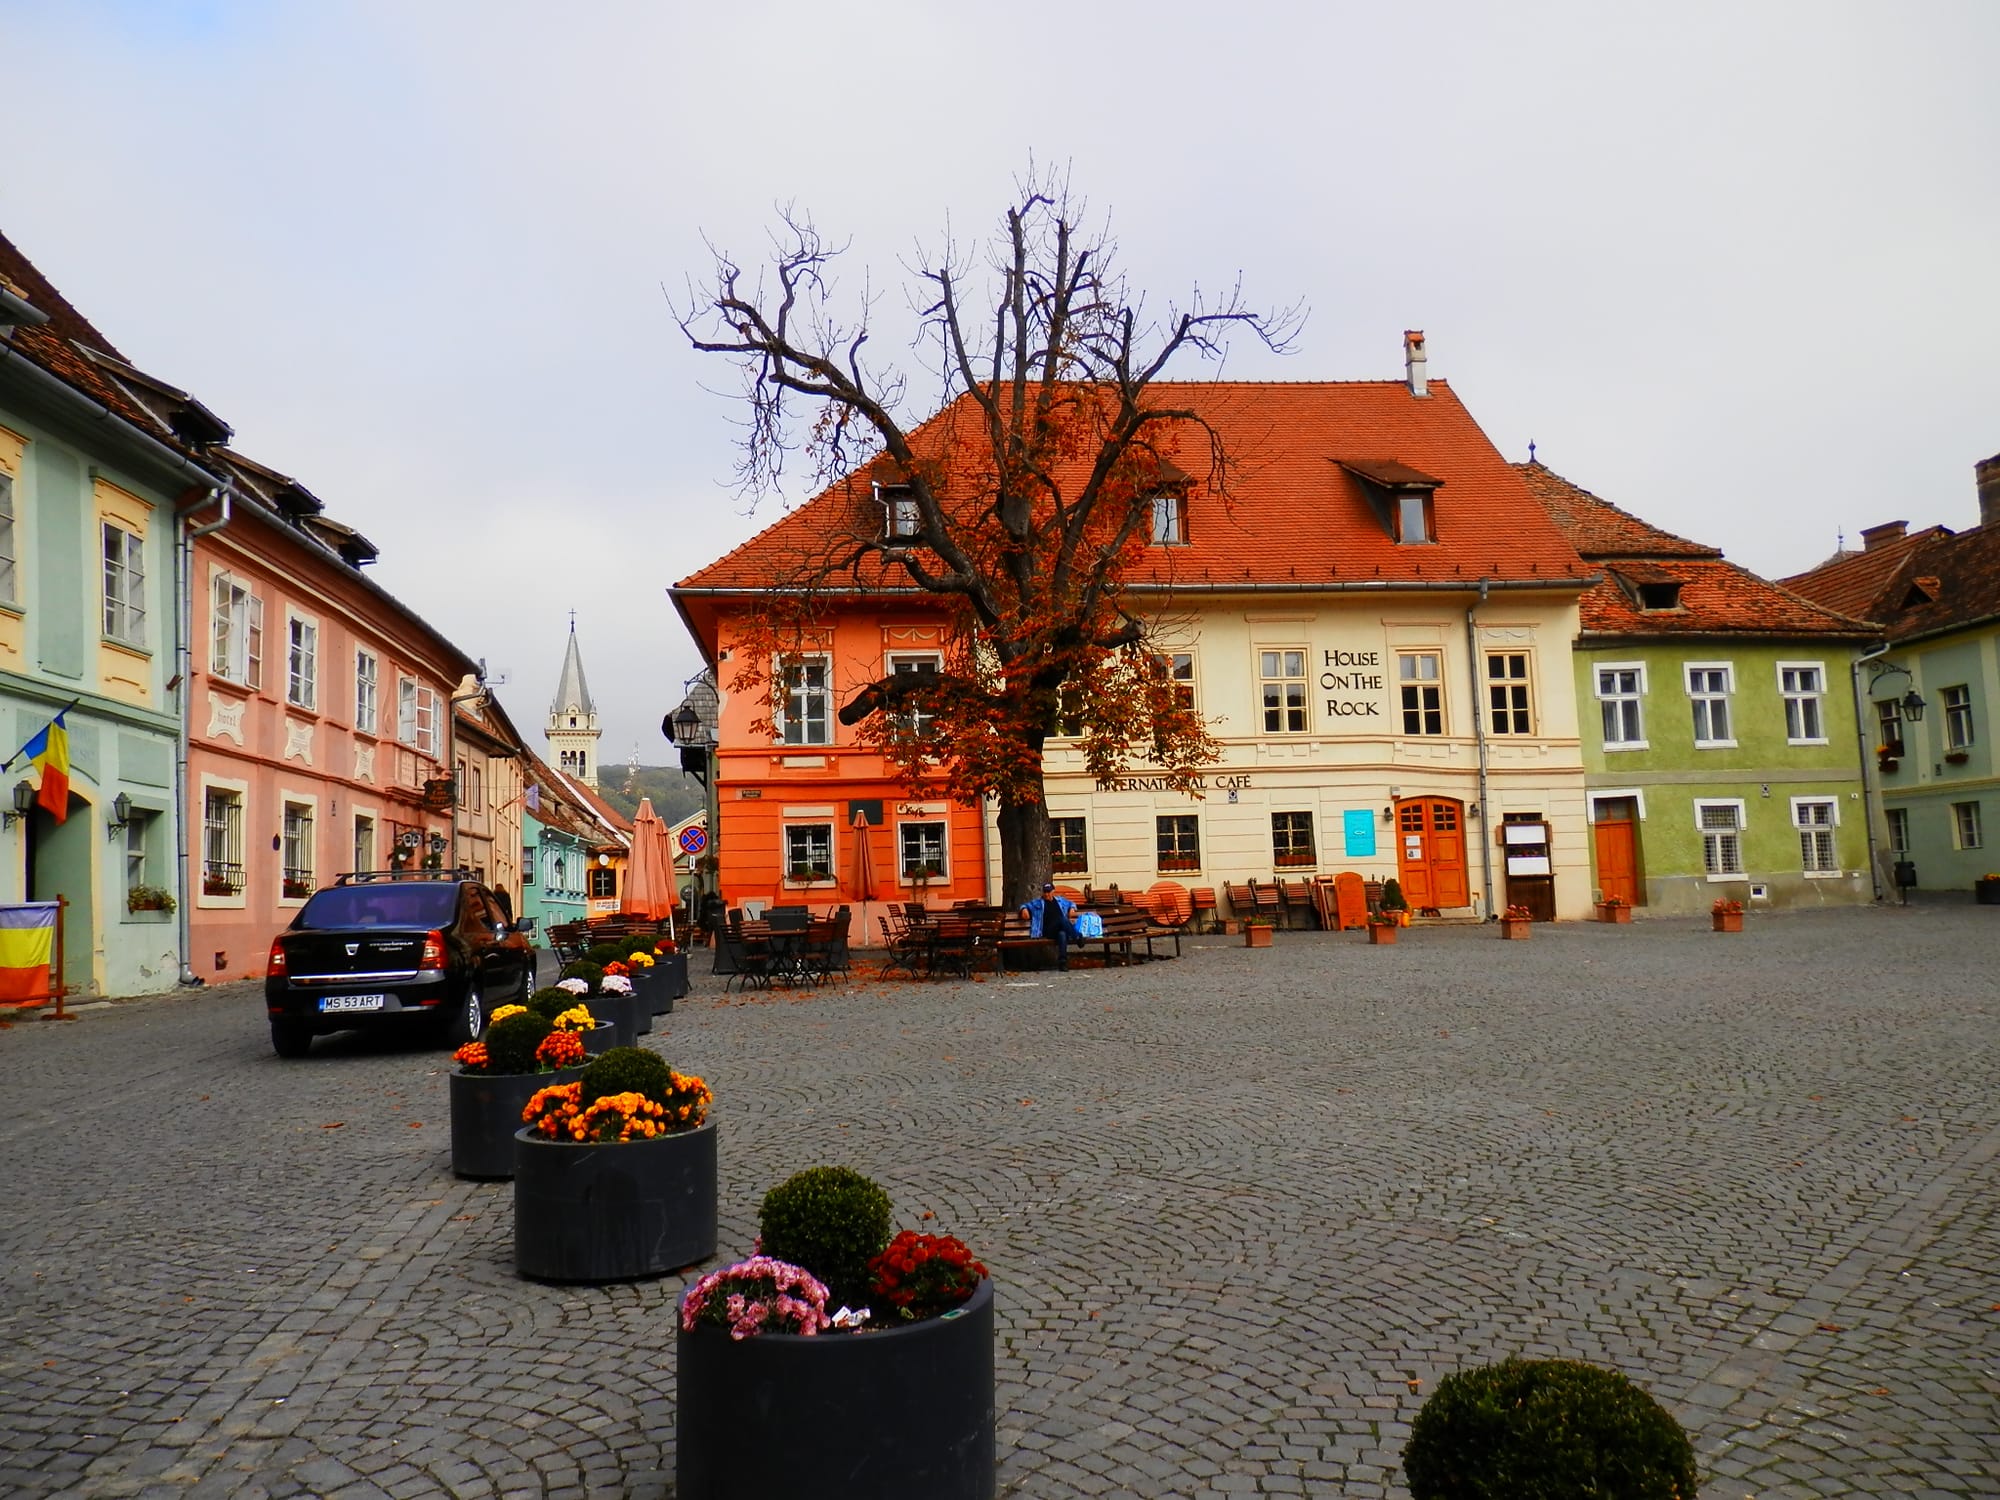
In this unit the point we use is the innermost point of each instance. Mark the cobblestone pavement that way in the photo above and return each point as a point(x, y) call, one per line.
point(1244, 1210)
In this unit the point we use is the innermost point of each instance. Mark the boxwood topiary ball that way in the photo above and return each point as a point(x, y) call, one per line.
point(627, 1070)
point(1546, 1429)
point(605, 953)
point(832, 1221)
point(552, 1002)
point(511, 1044)
point(589, 973)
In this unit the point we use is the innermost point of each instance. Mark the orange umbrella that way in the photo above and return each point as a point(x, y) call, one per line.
point(649, 874)
point(864, 869)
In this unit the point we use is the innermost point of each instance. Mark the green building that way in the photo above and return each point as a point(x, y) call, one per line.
point(1717, 713)
point(1932, 688)
point(101, 474)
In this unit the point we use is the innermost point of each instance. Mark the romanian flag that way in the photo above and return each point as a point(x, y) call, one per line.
point(50, 751)
point(27, 942)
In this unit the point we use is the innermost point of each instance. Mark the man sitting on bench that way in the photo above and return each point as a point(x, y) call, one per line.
point(1053, 917)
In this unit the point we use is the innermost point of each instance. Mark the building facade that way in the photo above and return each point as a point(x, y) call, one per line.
point(560, 840)
point(93, 491)
point(1718, 724)
point(1935, 595)
point(1375, 624)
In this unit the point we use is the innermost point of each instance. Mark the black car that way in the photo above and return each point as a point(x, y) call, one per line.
point(396, 948)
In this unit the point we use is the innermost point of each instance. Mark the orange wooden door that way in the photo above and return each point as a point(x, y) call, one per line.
point(1430, 853)
point(1617, 859)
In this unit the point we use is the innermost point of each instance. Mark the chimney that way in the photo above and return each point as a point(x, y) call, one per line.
point(1413, 362)
point(1876, 536)
point(1987, 473)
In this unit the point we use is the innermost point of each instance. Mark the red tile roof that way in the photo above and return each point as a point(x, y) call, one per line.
point(1931, 584)
point(1293, 515)
point(1859, 583)
point(1716, 597)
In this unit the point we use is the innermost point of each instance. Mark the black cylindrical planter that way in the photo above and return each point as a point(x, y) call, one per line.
point(673, 968)
point(600, 1038)
point(485, 1113)
point(1986, 892)
point(612, 1212)
point(628, 1013)
point(905, 1414)
point(654, 989)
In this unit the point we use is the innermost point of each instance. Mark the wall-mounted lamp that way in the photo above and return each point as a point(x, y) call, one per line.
point(1911, 702)
point(121, 810)
point(1472, 810)
point(1389, 815)
point(24, 803)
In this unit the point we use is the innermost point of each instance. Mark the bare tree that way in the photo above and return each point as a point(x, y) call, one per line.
point(1022, 509)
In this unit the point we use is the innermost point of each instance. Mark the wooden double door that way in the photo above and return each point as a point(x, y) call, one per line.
point(1430, 853)
point(1616, 833)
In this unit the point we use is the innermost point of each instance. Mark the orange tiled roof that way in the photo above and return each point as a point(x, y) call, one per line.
point(1716, 597)
point(1943, 581)
point(1294, 515)
point(1859, 583)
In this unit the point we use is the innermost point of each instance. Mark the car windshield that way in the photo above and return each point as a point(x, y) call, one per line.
point(430, 903)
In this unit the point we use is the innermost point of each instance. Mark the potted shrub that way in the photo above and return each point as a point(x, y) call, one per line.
point(1383, 926)
point(1395, 903)
point(149, 898)
point(1257, 932)
point(1726, 916)
point(1546, 1427)
point(1614, 909)
point(609, 987)
point(614, 1173)
point(839, 1363)
point(1517, 924)
point(521, 1051)
point(1986, 890)
point(566, 1010)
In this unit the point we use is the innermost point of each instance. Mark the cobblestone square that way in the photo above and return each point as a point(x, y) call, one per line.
point(1244, 1209)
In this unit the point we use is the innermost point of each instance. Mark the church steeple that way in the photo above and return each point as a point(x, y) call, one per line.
point(573, 731)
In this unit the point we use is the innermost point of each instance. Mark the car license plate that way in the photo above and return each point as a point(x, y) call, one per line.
point(353, 1002)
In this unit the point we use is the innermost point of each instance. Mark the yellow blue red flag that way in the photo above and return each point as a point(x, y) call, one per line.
point(27, 943)
point(50, 751)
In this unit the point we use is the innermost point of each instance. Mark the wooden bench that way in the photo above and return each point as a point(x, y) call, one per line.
point(1124, 926)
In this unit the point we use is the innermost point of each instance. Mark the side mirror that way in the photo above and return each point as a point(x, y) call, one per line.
point(526, 924)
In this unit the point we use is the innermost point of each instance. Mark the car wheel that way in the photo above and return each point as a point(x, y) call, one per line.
point(468, 1020)
point(291, 1038)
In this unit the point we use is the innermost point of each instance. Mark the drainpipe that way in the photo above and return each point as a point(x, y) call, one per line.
point(184, 540)
point(1479, 739)
point(1861, 744)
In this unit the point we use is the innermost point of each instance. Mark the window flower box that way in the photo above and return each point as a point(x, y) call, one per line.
point(1178, 864)
point(1295, 861)
point(1956, 757)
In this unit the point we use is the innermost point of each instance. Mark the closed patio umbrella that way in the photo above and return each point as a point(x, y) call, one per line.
point(649, 875)
point(864, 873)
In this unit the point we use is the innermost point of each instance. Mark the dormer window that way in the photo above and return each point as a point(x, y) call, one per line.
point(1169, 519)
point(1403, 498)
point(1651, 589)
point(901, 520)
point(1660, 596)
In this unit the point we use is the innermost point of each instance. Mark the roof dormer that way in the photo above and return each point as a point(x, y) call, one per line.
point(1404, 499)
point(1652, 590)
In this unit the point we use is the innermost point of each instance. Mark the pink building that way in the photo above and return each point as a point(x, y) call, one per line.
point(321, 724)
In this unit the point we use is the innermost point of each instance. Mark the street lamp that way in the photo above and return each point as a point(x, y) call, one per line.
point(693, 728)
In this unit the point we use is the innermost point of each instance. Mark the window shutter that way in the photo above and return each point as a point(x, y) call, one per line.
point(218, 609)
point(254, 676)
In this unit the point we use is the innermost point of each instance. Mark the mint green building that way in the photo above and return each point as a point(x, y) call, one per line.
point(1931, 690)
point(101, 475)
point(1717, 712)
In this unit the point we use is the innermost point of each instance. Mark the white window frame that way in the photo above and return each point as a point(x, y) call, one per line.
point(1811, 868)
point(138, 826)
point(1083, 824)
point(905, 866)
point(1889, 723)
point(1698, 696)
point(235, 631)
point(374, 849)
point(803, 830)
point(9, 551)
point(295, 841)
point(1279, 860)
point(913, 719)
point(301, 661)
point(1958, 723)
point(224, 843)
point(1817, 698)
point(1284, 681)
point(1420, 685)
point(427, 721)
point(1898, 819)
point(1635, 698)
point(1193, 822)
point(1186, 688)
point(124, 584)
point(1499, 720)
point(367, 690)
point(1168, 527)
point(902, 517)
point(1740, 808)
point(1958, 825)
point(811, 730)
point(406, 710)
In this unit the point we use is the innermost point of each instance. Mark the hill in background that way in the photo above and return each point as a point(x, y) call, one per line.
point(675, 794)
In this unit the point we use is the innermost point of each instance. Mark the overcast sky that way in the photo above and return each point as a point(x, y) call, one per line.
point(1732, 266)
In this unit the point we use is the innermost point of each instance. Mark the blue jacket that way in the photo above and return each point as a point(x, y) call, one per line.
point(1033, 912)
